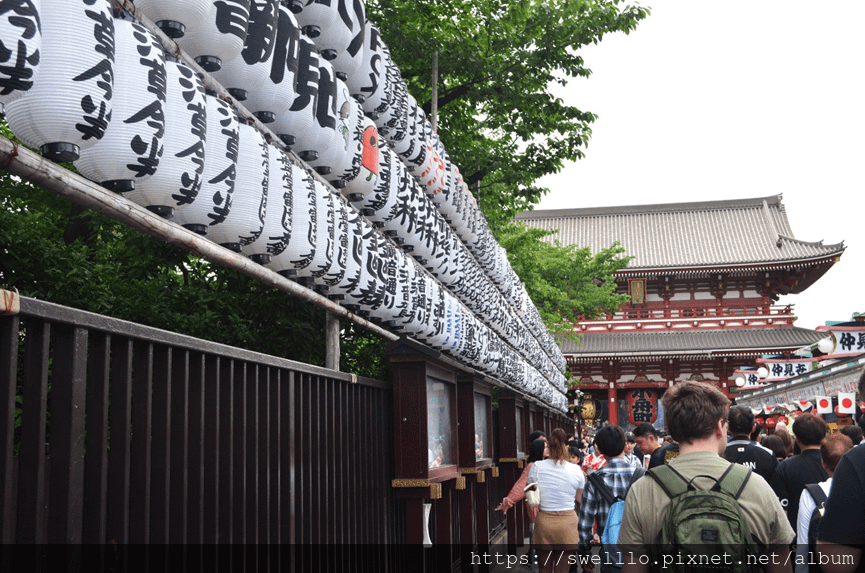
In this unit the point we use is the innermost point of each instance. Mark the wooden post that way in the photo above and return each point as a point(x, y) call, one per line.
point(331, 340)
point(434, 99)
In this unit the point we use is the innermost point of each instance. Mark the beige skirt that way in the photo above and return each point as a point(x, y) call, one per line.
point(556, 530)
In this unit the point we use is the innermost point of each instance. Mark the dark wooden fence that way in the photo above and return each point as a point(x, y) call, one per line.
point(117, 435)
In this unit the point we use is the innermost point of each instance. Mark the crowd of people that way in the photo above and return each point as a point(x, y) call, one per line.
point(800, 492)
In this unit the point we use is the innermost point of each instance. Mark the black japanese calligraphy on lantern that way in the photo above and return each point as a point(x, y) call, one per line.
point(641, 405)
point(325, 112)
point(17, 75)
point(97, 115)
point(222, 200)
point(190, 181)
point(232, 17)
point(306, 78)
point(149, 150)
point(262, 31)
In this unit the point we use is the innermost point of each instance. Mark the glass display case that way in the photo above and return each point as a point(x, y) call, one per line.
point(440, 423)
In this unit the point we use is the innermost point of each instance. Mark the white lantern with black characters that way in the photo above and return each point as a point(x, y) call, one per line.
point(298, 126)
point(215, 197)
point(249, 71)
point(218, 38)
point(243, 224)
point(276, 232)
point(20, 48)
point(273, 99)
point(299, 251)
point(131, 148)
point(68, 107)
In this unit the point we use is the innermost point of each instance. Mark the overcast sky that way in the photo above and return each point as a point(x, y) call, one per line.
point(730, 99)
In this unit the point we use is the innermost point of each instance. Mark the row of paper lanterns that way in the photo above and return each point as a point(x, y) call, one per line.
point(173, 148)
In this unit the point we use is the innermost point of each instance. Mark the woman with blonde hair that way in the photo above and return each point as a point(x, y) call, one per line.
point(561, 484)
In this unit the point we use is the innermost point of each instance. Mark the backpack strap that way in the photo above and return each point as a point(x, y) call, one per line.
point(672, 482)
point(602, 488)
point(817, 494)
point(733, 480)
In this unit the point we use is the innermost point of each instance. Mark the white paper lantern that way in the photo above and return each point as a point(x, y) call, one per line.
point(131, 147)
point(370, 81)
point(317, 16)
point(173, 16)
point(355, 231)
point(349, 59)
point(341, 237)
point(178, 180)
point(364, 183)
point(383, 195)
point(249, 71)
point(243, 224)
point(277, 220)
point(215, 196)
point(274, 98)
point(370, 293)
point(300, 249)
point(218, 38)
point(69, 106)
point(20, 46)
point(333, 25)
point(340, 158)
point(322, 256)
point(316, 146)
point(298, 127)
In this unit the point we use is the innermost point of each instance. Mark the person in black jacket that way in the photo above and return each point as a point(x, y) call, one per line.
point(792, 474)
point(742, 450)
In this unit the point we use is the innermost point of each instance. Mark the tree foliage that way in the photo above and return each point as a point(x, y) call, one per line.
point(566, 283)
point(497, 60)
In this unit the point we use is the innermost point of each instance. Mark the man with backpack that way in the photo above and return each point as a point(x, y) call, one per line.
point(603, 488)
point(701, 512)
point(832, 449)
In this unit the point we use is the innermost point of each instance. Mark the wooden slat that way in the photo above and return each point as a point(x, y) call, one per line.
point(160, 444)
point(238, 465)
point(96, 444)
point(182, 458)
point(140, 474)
point(209, 393)
point(119, 457)
point(8, 384)
point(32, 466)
point(251, 461)
point(226, 451)
point(68, 406)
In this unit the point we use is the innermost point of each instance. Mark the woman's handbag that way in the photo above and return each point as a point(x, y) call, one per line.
point(533, 492)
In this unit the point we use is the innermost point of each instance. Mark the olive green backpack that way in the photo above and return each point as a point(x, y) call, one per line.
point(704, 530)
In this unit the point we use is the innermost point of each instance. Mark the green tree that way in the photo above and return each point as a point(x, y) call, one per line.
point(566, 283)
point(497, 59)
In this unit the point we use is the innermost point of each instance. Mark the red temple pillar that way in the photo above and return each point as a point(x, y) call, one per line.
point(612, 405)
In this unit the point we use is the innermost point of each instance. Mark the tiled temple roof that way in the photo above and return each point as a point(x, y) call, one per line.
point(690, 342)
point(732, 233)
